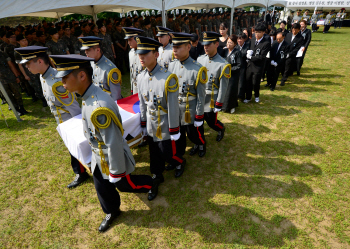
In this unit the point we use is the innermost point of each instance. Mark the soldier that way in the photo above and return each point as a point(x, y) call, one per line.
point(68, 39)
point(55, 45)
point(41, 39)
point(158, 94)
point(147, 28)
point(134, 61)
point(192, 78)
point(112, 162)
point(313, 22)
point(11, 82)
point(219, 73)
point(198, 27)
point(33, 79)
point(120, 47)
point(106, 44)
point(328, 21)
point(170, 23)
point(77, 44)
point(63, 105)
point(105, 74)
point(297, 18)
point(185, 26)
point(165, 51)
point(342, 18)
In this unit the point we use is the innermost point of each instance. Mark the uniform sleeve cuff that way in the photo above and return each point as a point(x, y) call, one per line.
point(218, 105)
point(117, 176)
point(174, 131)
point(143, 124)
point(199, 117)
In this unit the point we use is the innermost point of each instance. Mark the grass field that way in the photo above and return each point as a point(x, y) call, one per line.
point(279, 178)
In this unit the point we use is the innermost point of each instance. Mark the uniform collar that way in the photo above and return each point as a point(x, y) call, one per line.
point(154, 70)
point(167, 46)
point(100, 60)
point(211, 58)
point(88, 92)
point(187, 60)
point(50, 72)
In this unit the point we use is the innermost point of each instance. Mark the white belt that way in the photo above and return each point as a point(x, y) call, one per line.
point(184, 99)
point(60, 111)
point(209, 91)
point(155, 112)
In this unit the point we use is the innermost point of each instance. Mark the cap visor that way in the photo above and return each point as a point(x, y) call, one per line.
point(84, 48)
point(128, 36)
point(61, 74)
point(142, 51)
point(206, 42)
point(160, 35)
point(23, 61)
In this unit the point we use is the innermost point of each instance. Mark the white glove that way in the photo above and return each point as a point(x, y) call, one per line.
point(273, 63)
point(114, 180)
point(249, 56)
point(250, 52)
point(175, 137)
point(216, 110)
point(198, 123)
point(287, 56)
point(144, 131)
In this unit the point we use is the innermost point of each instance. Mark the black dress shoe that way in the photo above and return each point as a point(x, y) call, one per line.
point(34, 98)
point(202, 150)
point(267, 85)
point(194, 150)
point(143, 143)
point(220, 135)
point(282, 83)
point(298, 73)
point(3, 102)
point(272, 89)
point(79, 178)
point(179, 172)
point(169, 167)
point(160, 177)
point(154, 190)
point(107, 221)
point(44, 102)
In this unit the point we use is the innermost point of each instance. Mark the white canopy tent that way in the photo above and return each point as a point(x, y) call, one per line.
point(323, 5)
point(197, 4)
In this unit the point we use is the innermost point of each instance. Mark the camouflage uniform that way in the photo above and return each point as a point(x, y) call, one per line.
point(56, 48)
point(69, 43)
point(106, 45)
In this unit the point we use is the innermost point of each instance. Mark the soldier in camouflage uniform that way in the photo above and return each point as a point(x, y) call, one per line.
point(198, 27)
point(159, 107)
point(185, 26)
point(106, 44)
point(68, 39)
point(147, 28)
point(219, 73)
point(55, 45)
point(41, 39)
point(192, 79)
point(121, 48)
point(77, 44)
point(165, 51)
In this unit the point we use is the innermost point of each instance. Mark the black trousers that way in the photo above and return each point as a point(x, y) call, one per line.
point(212, 120)
point(314, 27)
point(194, 134)
point(289, 67)
point(326, 28)
point(274, 73)
point(253, 83)
point(161, 152)
point(108, 195)
point(231, 96)
point(242, 83)
point(77, 167)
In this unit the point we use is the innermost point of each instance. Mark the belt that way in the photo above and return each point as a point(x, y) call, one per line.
point(184, 99)
point(209, 91)
point(59, 111)
point(155, 112)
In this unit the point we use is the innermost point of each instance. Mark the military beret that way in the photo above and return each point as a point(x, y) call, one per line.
point(20, 37)
point(9, 34)
point(39, 33)
point(53, 31)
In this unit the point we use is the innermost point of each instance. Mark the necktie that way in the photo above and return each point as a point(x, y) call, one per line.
point(256, 43)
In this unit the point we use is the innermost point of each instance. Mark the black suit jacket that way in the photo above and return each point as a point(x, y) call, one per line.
point(294, 45)
point(245, 48)
point(195, 52)
point(280, 55)
point(307, 37)
point(256, 63)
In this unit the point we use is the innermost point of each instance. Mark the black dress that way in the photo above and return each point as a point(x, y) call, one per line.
point(234, 58)
point(243, 69)
point(223, 43)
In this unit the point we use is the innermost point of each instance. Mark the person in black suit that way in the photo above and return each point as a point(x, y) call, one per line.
point(256, 56)
point(277, 55)
point(244, 46)
point(197, 48)
point(283, 28)
point(306, 33)
point(296, 41)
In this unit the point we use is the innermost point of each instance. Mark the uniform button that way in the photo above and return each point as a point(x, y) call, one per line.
point(209, 61)
point(150, 90)
point(85, 131)
point(83, 103)
point(150, 78)
point(194, 61)
point(84, 119)
point(92, 96)
point(95, 75)
point(50, 74)
point(180, 76)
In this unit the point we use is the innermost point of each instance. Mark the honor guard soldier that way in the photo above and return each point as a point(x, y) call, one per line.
point(112, 162)
point(134, 61)
point(165, 51)
point(159, 106)
point(63, 105)
point(219, 74)
point(192, 78)
point(106, 75)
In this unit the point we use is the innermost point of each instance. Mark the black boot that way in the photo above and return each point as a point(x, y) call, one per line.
point(107, 221)
point(169, 167)
point(34, 98)
point(202, 150)
point(160, 177)
point(180, 171)
point(3, 102)
point(144, 142)
point(79, 179)
point(154, 190)
point(194, 150)
point(44, 102)
point(22, 110)
point(220, 135)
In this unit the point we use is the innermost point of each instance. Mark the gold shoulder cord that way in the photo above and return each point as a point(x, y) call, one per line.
point(199, 76)
point(171, 89)
point(223, 72)
point(213, 85)
point(110, 115)
point(59, 95)
point(110, 76)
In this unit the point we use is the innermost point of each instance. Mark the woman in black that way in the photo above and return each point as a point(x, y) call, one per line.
point(224, 36)
point(244, 46)
point(233, 56)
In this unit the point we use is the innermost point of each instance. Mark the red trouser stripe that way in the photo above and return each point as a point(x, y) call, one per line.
point(173, 145)
point(134, 186)
point(216, 121)
point(200, 136)
point(82, 168)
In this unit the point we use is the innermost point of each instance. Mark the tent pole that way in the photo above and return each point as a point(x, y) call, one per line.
point(163, 13)
point(231, 20)
point(58, 17)
point(94, 16)
point(315, 10)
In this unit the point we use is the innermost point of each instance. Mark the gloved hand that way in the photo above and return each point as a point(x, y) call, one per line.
point(275, 64)
point(216, 110)
point(175, 137)
point(287, 56)
point(250, 52)
point(272, 62)
point(198, 123)
point(144, 131)
point(114, 180)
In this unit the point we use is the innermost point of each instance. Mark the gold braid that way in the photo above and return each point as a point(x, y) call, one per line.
point(199, 76)
point(110, 115)
point(225, 74)
point(59, 95)
point(110, 76)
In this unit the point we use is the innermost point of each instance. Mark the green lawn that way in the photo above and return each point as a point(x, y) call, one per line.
point(280, 177)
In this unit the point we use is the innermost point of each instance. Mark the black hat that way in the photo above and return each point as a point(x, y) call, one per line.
point(78, 32)
point(39, 33)
point(53, 31)
point(209, 37)
point(9, 34)
point(146, 44)
point(180, 38)
point(65, 64)
point(31, 52)
point(20, 37)
point(162, 31)
point(89, 41)
point(131, 32)
point(147, 21)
